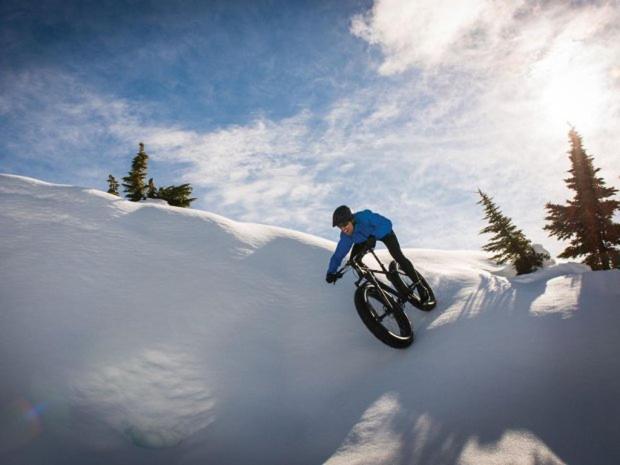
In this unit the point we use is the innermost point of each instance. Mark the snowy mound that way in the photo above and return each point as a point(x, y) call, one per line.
point(143, 333)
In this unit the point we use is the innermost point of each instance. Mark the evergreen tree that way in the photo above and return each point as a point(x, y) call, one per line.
point(587, 219)
point(136, 190)
point(151, 190)
point(509, 244)
point(112, 185)
point(134, 181)
point(177, 196)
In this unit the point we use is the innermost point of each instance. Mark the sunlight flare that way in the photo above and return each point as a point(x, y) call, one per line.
point(573, 88)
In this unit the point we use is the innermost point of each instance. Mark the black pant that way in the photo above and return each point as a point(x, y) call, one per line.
point(391, 242)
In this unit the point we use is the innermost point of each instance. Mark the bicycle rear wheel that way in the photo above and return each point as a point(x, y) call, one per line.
point(383, 318)
point(403, 283)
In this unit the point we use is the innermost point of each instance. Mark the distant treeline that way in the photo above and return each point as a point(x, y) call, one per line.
point(136, 189)
point(586, 221)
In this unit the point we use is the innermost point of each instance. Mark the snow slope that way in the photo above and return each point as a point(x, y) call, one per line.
point(143, 333)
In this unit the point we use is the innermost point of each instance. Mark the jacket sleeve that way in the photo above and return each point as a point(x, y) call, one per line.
point(381, 225)
point(342, 249)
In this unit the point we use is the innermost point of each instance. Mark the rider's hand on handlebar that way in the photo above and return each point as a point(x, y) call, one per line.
point(332, 277)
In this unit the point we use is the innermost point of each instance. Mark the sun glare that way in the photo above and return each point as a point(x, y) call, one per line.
point(575, 97)
point(572, 90)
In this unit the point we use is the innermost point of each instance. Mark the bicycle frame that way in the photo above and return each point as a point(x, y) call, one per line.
point(367, 274)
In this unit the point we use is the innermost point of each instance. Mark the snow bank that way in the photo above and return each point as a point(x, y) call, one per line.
point(144, 333)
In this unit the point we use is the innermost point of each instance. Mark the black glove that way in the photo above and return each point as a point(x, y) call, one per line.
point(331, 277)
point(370, 243)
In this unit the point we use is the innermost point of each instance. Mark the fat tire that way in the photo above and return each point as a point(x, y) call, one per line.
point(405, 290)
point(369, 317)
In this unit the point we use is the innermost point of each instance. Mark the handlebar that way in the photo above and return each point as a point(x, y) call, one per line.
point(351, 263)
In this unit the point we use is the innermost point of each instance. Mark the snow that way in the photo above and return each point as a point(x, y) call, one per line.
point(144, 333)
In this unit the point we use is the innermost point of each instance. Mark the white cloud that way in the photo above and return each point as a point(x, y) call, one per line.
point(261, 172)
point(500, 81)
point(54, 113)
point(514, 447)
point(477, 35)
point(417, 33)
point(484, 107)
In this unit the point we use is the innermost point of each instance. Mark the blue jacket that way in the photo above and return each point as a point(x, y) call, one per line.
point(365, 224)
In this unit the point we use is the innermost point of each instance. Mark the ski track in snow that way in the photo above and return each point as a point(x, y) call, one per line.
point(142, 333)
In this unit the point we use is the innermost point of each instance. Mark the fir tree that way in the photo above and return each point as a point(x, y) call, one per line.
point(112, 185)
point(151, 190)
point(177, 196)
point(509, 244)
point(134, 181)
point(587, 219)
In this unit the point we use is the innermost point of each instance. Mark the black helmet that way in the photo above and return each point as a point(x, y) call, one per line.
point(342, 214)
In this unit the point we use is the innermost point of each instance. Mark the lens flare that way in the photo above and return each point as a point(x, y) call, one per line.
point(20, 422)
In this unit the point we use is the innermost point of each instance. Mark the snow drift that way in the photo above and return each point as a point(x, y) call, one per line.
point(143, 333)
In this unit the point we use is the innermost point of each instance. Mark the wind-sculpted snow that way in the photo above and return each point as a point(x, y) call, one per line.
point(146, 334)
point(156, 398)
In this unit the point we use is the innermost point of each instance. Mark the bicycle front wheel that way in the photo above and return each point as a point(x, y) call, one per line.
point(383, 317)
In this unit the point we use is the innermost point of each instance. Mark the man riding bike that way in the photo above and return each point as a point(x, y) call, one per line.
point(361, 230)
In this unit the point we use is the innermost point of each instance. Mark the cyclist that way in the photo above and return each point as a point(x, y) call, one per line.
point(361, 230)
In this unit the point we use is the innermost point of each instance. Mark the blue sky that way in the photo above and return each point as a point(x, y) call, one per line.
point(279, 111)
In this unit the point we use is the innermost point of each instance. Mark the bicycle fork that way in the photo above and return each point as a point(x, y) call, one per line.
point(389, 309)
